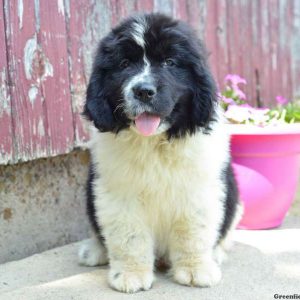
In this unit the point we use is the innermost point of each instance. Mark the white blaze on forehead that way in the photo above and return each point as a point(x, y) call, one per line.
point(139, 27)
point(144, 75)
point(146, 71)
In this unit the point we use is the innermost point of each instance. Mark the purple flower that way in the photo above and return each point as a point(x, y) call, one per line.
point(239, 92)
point(234, 79)
point(225, 99)
point(228, 100)
point(281, 100)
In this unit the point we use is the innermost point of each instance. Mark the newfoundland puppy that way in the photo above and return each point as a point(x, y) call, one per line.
point(160, 185)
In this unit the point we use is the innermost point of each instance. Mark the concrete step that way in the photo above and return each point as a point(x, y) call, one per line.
point(261, 264)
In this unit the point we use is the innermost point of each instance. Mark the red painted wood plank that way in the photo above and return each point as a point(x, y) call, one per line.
point(164, 6)
point(282, 42)
point(113, 8)
point(196, 11)
point(210, 35)
point(282, 81)
point(6, 145)
point(221, 42)
point(275, 78)
point(295, 50)
point(55, 78)
point(234, 31)
point(254, 53)
point(247, 70)
point(125, 8)
point(76, 23)
point(27, 100)
point(180, 10)
point(255, 50)
point(265, 52)
point(144, 5)
point(289, 17)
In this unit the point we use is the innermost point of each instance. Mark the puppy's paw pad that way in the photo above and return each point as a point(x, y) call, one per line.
point(205, 275)
point(92, 253)
point(130, 281)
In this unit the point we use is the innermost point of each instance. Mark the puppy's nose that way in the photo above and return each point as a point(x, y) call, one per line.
point(144, 91)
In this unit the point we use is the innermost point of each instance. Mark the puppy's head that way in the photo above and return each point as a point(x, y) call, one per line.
point(150, 75)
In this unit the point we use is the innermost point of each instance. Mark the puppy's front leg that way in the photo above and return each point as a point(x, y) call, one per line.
point(130, 250)
point(191, 252)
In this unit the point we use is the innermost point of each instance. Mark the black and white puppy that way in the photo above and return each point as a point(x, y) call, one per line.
point(160, 183)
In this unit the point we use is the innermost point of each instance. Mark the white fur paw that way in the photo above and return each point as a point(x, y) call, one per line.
point(220, 255)
point(204, 275)
point(130, 281)
point(92, 253)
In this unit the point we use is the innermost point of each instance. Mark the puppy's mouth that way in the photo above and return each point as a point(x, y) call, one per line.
point(147, 123)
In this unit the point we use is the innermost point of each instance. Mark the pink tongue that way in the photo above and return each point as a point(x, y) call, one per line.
point(147, 124)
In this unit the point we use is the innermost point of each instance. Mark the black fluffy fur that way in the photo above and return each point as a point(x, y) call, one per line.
point(90, 206)
point(231, 200)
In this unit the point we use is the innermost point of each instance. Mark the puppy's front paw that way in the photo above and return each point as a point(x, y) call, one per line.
point(204, 275)
point(130, 281)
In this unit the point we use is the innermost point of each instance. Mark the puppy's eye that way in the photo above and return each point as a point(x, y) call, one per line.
point(124, 63)
point(168, 62)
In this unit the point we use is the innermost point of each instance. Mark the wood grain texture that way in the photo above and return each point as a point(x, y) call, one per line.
point(27, 98)
point(6, 139)
point(295, 48)
point(210, 35)
point(76, 15)
point(55, 77)
point(47, 49)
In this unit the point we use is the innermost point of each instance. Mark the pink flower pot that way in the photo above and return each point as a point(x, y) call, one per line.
point(266, 163)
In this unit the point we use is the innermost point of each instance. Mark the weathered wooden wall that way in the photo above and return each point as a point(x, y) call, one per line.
point(46, 49)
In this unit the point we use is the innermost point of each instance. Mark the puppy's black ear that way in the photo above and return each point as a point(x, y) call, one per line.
point(204, 98)
point(97, 108)
point(204, 95)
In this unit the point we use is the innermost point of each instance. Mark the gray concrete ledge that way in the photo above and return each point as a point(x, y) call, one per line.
point(42, 205)
point(261, 264)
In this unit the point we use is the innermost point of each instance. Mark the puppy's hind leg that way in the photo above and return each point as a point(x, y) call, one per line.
point(224, 245)
point(92, 253)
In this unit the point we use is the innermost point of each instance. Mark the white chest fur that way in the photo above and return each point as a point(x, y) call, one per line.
point(159, 180)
